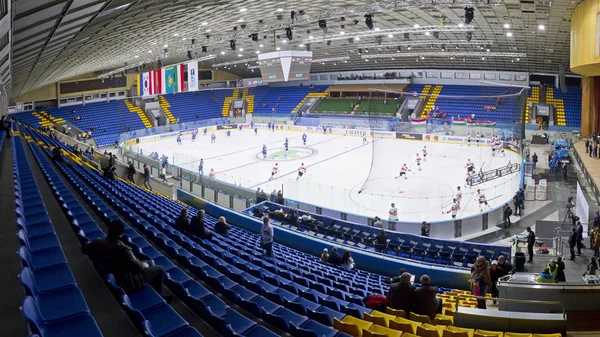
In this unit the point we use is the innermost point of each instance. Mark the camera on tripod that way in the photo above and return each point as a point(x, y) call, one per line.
point(569, 213)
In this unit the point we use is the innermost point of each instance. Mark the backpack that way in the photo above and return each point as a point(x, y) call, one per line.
point(375, 301)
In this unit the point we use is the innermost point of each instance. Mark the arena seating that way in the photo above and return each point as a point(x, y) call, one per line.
point(572, 102)
point(293, 291)
point(337, 105)
point(465, 106)
point(403, 245)
point(269, 96)
point(199, 105)
point(370, 106)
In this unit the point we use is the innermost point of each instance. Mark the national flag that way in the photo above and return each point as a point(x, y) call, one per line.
point(170, 80)
point(163, 81)
point(145, 84)
point(139, 84)
point(419, 121)
point(192, 68)
point(179, 77)
point(459, 122)
point(157, 84)
point(151, 87)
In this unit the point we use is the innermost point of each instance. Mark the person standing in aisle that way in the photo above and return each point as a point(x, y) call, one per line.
point(530, 243)
point(572, 243)
point(266, 236)
point(147, 177)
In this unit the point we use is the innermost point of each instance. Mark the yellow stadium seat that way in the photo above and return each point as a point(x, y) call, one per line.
point(349, 328)
point(443, 320)
point(395, 312)
point(375, 319)
point(379, 330)
point(381, 318)
point(428, 330)
point(449, 312)
point(469, 332)
point(547, 335)
point(405, 325)
point(450, 333)
point(419, 318)
point(487, 333)
point(351, 322)
point(408, 334)
point(516, 334)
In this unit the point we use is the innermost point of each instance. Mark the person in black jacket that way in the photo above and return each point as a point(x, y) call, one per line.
point(530, 243)
point(560, 273)
point(197, 226)
point(334, 258)
point(426, 300)
point(507, 212)
point(130, 273)
point(57, 155)
point(221, 227)
point(182, 223)
point(579, 231)
point(401, 294)
point(381, 242)
point(130, 172)
point(572, 243)
point(147, 178)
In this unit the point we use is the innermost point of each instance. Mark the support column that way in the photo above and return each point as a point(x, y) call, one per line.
point(588, 106)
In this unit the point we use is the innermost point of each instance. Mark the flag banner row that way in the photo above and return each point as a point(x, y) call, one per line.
point(168, 80)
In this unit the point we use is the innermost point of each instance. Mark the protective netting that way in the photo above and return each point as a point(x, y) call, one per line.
point(443, 128)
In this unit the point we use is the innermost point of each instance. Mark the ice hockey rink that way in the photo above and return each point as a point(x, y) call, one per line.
point(339, 166)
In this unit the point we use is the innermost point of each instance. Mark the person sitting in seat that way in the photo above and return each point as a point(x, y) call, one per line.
point(306, 217)
point(545, 277)
point(182, 223)
point(197, 226)
point(293, 217)
point(324, 255)
point(222, 227)
point(279, 214)
point(130, 273)
point(347, 262)
point(57, 155)
point(401, 294)
point(426, 301)
point(334, 258)
point(381, 241)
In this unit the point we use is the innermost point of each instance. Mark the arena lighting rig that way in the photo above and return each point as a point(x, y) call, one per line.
point(254, 59)
point(384, 32)
point(330, 59)
point(382, 6)
point(448, 43)
point(443, 54)
point(139, 64)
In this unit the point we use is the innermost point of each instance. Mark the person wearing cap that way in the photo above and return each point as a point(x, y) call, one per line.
point(401, 295)
point(495, 274)
point(324, 255)
point(117, 258)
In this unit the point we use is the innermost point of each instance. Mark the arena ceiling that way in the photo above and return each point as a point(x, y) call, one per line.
point(54, 40)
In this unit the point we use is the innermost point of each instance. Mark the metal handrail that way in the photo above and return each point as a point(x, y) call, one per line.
point(511, 301)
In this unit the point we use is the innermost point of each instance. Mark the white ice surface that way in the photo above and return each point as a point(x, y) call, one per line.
point(339, 166)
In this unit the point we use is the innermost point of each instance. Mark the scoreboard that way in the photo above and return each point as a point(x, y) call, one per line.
point(285, 66)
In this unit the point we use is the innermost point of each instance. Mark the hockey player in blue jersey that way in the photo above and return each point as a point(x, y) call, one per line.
point(252, 125)
point(273, 126)
point(179, 139)
point(201, 167)
point(241, 127)
point(304, 138)
point(213, 138)
point(205, 131)
point(286, 144)
point(256, 131)
point(194, 133)
point(228, 133)
point(264, 151)
point(269, 126)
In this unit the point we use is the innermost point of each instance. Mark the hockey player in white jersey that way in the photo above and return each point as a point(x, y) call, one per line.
point(482, 200)
point(301, 171)
point(274, 171)
point(403, 170)
point(393, 213)
point(454, 208)
point(418, 160)
point(469, 180)
point(424, 153)
point(470, 166)
point(458, 195)
point(500, 148)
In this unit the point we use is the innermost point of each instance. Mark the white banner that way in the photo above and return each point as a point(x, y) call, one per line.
point(192, 68)
point(582, 209)
point(146, 84)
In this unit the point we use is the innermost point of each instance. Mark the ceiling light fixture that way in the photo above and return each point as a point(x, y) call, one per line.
point(416, 26)
point(541, 27)
point(506, 26)
point(204, 23)
point(280, 9)
point(243, 9)
point(176, 34)
point(278, 48)
point(427, 33)
point(509, 34)
point(390, 36)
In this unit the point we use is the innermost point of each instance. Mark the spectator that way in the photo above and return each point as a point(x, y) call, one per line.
point(273, 197)
point(480, 280)
point(306, 217)
point(506, 213)
point(592, 267)
point(534, 159)
point(564, 169)
point(505, 267)
point(266, 235)
point(425, 300)
point(572, 243)
point(182, 223)
point(111, 159)
point(553, 268)
point(263, 195)
point(495, 274)
point(147, 178)
point(257, 197)
point(57, 155)
point(111, 172)
point(545, 277)
point(113, 254)
point(517, 201)
point(5, 126)
point(334, 257)
point(401, 294)
point(595, 239)
point(377, 222)
point(279, 214)
point(130, 172)
point(347, 262)
point(280, 198)
point(324, 255)
point(424, 228)
point(197, 227)
point(530, 243)
point(293, 217)
point(579, 231)
point(587, 145)
point(381, 241)
point(522, 201)
point(560, 273)
point(221, 226)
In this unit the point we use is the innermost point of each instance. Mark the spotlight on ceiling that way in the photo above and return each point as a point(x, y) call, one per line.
point(289, 34)
point(159, 63)
point(359, 51)
point(254, 37)
point(189, 55)
point(369, 20)
point(399, 49)
point(204, 49)
point(469, 36)
point(328, 42)
point(193, 41)
point(469, 14)
point(308, 47)
point(407, 36)
point(323, 25)
point(436, 35)
point(232, 44)
point(355, 22)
